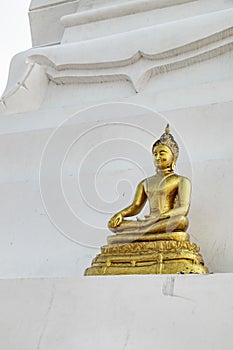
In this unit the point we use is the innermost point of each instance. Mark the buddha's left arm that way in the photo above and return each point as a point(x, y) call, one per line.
point(183, 203)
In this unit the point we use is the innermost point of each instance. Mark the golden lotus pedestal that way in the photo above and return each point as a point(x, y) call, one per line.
point(161, 253)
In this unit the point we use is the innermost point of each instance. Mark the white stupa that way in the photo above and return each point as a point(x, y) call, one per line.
point(78, 117)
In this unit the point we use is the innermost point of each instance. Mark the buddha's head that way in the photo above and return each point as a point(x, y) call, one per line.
point(165, 151)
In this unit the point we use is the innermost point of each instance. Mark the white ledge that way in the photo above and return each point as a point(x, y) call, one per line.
point(121, 10)
point(134, 312)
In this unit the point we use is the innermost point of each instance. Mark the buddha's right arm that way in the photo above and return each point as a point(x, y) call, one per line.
point(138, 203)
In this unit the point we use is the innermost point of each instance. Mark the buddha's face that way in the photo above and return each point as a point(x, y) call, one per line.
point(163, 157)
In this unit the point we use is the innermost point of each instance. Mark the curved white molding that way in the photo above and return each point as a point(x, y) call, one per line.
point(119, 10)
point(27, 93)
point(157, 70)
point(19, 84)
point(195, 45)
point(130, 56)
point(206, 43)
point(158, 41)
point(138, 81)
point(152, 64)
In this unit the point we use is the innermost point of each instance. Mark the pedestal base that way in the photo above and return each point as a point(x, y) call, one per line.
point(156, 257)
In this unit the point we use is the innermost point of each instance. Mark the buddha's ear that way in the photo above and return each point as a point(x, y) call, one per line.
point(173, 165)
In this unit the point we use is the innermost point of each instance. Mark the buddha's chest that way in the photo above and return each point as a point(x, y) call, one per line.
point(162, 191)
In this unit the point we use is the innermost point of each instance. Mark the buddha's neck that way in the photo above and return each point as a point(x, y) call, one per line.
point(164, 172)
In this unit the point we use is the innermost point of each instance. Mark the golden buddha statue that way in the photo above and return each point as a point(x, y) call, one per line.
point(158, 243)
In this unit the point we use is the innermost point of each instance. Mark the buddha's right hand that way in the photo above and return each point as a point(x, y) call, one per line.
point(115, 221)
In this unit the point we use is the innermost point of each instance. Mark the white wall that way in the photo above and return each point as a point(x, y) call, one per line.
point(77, 123)
point(60, 186)
point(146, 312)
point(78, 120)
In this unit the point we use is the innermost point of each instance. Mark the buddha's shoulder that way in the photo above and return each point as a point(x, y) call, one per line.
point(150, 179)
point(183, 180)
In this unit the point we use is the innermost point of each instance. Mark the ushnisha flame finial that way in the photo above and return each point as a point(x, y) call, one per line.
point(167, 129)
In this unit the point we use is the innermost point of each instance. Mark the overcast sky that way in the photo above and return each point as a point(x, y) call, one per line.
point(14, 34)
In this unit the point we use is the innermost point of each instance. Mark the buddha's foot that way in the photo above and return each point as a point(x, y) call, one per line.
point(157, 257)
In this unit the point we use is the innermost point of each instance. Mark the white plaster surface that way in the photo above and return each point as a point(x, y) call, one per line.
point(44, 16)
point(118, 313)
point(35, 4)
point(47, 239)
point(135, 15)
point(162, 63)
point(78, 120)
